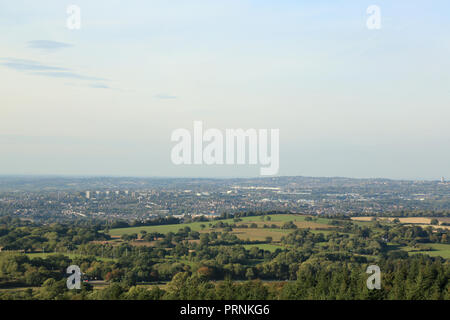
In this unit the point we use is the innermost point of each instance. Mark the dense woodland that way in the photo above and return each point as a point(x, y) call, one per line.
point(312, 265)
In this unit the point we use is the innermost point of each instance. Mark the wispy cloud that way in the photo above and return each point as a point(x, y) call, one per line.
point(70, 75)
point(27, 65)
point(165, 96)
point(36, 68)
point(48, 45)
point(99, 86)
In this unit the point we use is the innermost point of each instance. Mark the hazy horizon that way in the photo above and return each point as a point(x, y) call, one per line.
point(204, 177)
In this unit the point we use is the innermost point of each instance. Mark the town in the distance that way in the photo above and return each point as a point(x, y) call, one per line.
point(140, 199)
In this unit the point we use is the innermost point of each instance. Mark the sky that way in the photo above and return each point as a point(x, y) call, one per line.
point(104, 99)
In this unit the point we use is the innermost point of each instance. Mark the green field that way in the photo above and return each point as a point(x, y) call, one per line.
point(263, 246)
point(438, 249)
point(71, 256)
point(196, 225)
point(259, 234)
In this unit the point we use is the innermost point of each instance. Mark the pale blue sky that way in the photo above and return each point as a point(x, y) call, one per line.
point(104, 99)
